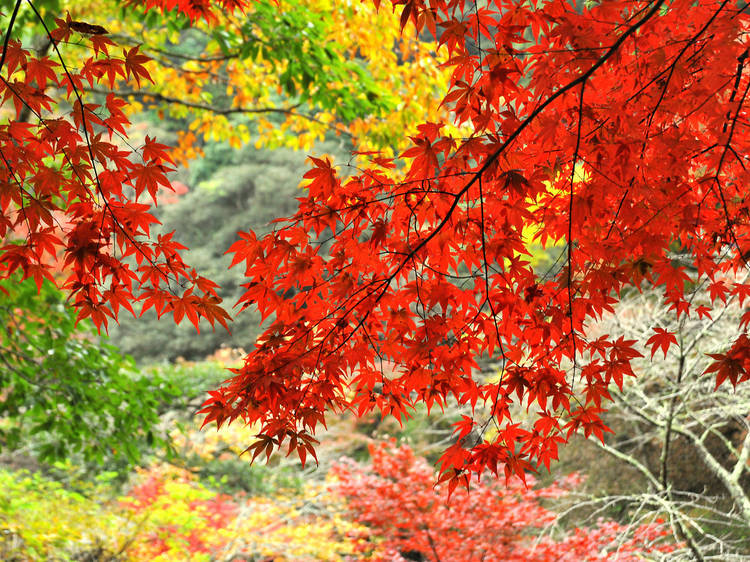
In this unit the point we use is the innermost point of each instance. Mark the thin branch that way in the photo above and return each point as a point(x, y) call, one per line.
point(8, 32)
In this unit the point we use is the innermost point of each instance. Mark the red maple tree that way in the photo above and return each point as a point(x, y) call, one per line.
point(617, 128)
point(409, 519)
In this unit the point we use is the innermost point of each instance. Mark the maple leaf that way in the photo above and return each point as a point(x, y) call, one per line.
point(726, 367)
point(661, 339)
point(742, 291)
point(134, 65)
point(117, 119)
point(322, 178)
point(112, 68)
point(155, 152)
point(718, 290)
point(733, 365)
point(149, 176)
point(41, 71)
point(704, 311)
point(674, 277)
point(101, 44)
point(210, 308)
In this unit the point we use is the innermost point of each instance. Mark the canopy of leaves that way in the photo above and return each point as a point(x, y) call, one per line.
point(278, 73)
point(619, 129)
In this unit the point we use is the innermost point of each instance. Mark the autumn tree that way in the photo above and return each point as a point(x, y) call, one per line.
point(408, 518)
point(221, 56)
point(73, 209)
point(618, 129)
point(72, 201)
point(278, 73)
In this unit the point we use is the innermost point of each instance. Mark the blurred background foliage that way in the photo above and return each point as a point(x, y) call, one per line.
point(63, 391)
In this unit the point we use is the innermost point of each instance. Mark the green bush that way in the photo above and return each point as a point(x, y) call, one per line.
point(64, 390)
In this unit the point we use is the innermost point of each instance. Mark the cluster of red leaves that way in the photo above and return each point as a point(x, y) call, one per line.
point(194, 9)
point(71, 198)
point(734, 364)
point(620, 129)
point(406, 514)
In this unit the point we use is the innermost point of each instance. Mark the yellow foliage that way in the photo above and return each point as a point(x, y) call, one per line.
point(405, 70)
point(41, 520)
point(182, 520)
point(168, 516)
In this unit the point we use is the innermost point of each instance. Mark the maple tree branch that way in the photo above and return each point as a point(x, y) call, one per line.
point(488, 300)
point(6, 41)
point(570, 224)
point(195, 105)
point(226, 110)
point(376, 200)
point(84, 126)
point(487, 278)
point(66, 157)
point(492, 158)
point(682, 531)
point(660, 411)
point(169, 264)
point(742, 459)
point(480, 51)
point(634, 462)
point(386, 282)
point(417, 275)
point(617, 214)
point(670, 71)
point(729, 479)
point(661, 486)
point(133, 42)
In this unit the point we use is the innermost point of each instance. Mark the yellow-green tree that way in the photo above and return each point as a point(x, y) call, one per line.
point(283, 73)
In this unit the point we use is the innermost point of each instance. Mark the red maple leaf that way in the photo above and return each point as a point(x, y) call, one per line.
point(661, 339)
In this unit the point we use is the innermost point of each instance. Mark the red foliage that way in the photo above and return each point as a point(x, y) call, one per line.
point(619, 129)
point(408, 517)
point(72, 200)
point(212, 512)
point(193, 9)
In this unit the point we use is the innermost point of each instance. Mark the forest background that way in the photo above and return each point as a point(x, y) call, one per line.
point(102, 454)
